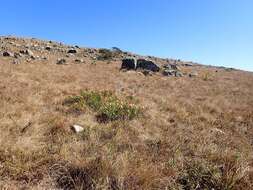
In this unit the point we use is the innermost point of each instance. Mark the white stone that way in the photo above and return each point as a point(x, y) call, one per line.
point(77, 128)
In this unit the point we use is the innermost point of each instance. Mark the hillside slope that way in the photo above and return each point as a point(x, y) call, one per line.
point(156, 131)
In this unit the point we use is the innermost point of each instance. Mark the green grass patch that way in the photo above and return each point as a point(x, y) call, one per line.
point(107, 105)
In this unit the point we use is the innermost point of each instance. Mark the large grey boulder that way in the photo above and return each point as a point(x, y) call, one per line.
point(143, 64)
point(147, 65)
point(129, 64)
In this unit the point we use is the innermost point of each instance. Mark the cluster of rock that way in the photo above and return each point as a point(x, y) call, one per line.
point(147, 65)
point(172, 70)
point(26, 50)
point(134, 64)
point(20, 50)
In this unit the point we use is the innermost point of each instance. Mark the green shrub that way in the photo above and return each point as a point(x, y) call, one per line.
point(107, 106)
point(115, 109)
point(92, 99)
point(105, 54)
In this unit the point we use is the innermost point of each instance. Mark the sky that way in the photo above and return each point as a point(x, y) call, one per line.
point(211, 32)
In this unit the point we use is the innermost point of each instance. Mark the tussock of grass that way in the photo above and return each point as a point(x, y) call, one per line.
point(94, 175)
point(228, 175)
point(17, 164)
point(107, 105)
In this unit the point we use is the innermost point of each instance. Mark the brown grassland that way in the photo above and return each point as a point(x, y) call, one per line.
point(181, 132)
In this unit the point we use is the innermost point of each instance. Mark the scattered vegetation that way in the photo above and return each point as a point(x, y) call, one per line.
point(109, 54)
point(107, 106)
point(105, 54)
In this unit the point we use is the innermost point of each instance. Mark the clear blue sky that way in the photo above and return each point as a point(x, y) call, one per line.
point(216, 32)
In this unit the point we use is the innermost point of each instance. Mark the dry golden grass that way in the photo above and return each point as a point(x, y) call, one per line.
point(194, 133)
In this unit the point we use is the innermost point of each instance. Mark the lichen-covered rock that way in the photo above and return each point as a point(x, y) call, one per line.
point(147, 65)
point(171, 66)
point(173, 73)
point(129, 64)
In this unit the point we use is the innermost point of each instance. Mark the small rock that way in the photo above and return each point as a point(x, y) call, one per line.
point(72, 51)
point(17, 55)
point(22, 51)
point(29, 52)
point(48, 48)
point(33, 57)
point(171, 66)
point(168, 72)
point(174, 73)
point(8, 54)
point(187, 64)
point(77, 128)
point(79, 61)
point(193, 74)
point(178, 74)
point(16, 62)
point(61, 61)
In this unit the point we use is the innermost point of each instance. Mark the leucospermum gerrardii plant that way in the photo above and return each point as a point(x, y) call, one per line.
point(107, 105)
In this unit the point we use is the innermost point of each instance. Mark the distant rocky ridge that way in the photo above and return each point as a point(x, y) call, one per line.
point(22, 50)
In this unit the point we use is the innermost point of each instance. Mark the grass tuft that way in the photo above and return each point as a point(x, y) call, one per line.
point(202, 175)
